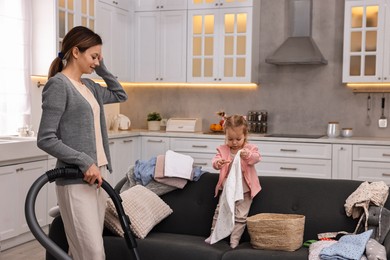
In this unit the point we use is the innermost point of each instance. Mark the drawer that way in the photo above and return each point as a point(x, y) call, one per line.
point(295, 150)
point(371, 153)
point(195, 145)
point(291, 167)
point(371, 171)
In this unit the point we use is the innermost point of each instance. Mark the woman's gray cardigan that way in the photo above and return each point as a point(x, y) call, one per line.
point(66, 129)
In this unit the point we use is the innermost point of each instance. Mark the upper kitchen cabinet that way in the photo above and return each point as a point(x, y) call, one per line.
point(220, 45)
point(160, 46)
point(155, 5)
point(51, 21)
point(122, 4)
point(206, 4)
point(44, 36)
point(366, 30)
point(113, 24)
point(73, 13)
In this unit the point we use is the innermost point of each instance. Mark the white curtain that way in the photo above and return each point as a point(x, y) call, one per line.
point(15, 48)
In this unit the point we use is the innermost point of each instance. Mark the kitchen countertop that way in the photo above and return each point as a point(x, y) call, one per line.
point(14, 152)
point(255, 137)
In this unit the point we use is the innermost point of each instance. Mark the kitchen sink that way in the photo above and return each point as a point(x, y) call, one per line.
point(294, 136)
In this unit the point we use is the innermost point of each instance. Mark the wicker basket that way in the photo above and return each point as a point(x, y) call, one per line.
point(276, 231)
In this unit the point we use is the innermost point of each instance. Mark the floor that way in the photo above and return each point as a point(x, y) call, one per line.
point(30, 250)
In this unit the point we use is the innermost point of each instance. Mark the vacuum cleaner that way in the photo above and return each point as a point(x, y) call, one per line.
point(71, 172)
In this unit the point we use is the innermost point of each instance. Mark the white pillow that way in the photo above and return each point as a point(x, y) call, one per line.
point(144, 208)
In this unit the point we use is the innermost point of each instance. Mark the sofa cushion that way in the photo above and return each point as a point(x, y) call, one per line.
point(144, 208)
point(193, 208)
point(245, 251)
point(167, 246)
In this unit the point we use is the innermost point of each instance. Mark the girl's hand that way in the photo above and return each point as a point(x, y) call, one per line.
point(92, 175)
point(244, 153)
point(222, 162)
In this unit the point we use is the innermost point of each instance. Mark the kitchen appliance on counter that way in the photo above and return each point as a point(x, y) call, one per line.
point(190, 125)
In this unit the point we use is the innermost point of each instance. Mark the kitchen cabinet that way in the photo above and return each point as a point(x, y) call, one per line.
point(153, 146)
point(291, 159)
point(124, 152)
point(366, 31)
point(201, 150)
point(371, 163)
point(342, 161)
point(43, 36)
point(122, 4)
point(160, 46)
point(220, 45)
point(117, 44)
point(153, 5)
point(206, 4)
point(15, 181)
point(51, 21)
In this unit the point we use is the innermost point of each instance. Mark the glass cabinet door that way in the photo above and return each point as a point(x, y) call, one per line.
point(66, 17)
point(235, 58)
point(363, 41)
point(220, 45)
point(88, 14)
point(202, 52)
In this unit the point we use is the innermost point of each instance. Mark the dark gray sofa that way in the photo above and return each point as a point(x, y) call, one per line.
point(182, 234)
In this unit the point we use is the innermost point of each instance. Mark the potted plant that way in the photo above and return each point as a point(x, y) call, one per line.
point(154, 119)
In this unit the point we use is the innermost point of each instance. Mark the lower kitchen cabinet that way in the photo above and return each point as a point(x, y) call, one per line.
point(201, 150)
point(295, 159)
point(15, 181)
point(124, 152)
point(342, 161)
point(371, 163)
point(153, 146)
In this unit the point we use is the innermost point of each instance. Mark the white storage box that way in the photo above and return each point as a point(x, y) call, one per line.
point(184, 125)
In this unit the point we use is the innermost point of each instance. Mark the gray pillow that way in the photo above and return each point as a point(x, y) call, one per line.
point(375, 251)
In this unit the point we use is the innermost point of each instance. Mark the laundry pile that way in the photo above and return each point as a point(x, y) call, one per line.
point(367, 204)
point(163, 173)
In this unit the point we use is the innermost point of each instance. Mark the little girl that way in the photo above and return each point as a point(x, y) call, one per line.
point(236, 132)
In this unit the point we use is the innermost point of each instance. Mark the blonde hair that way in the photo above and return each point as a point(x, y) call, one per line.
point(236, 121)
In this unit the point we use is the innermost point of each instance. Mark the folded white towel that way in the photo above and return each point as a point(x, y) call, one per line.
point(178, 165)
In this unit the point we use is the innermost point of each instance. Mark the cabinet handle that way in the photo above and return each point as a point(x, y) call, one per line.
point(216, 4)
point(158, 7)
point(155, 141)
point(201, 164)
point(386, 154)
point(288, 168)
point(289, 150)
point(385, 78)
point(19, 169)
point(161, 6)
point(157, 79)
point(127, 141)
point(379, 78)
point(386, 174)
point(161, 79)
point(199, 146)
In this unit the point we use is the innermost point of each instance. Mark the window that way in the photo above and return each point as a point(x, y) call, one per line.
point(15, 46)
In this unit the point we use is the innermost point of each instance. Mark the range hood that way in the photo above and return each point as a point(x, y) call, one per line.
point(300, 47)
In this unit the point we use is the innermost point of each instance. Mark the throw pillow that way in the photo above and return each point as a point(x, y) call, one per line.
point(144, 208)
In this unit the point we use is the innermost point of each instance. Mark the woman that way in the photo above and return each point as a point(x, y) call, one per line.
point(73, 130)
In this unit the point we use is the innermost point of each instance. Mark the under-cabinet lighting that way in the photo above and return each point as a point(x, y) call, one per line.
point(187, 85)
point(369, 87)
point(41, 80)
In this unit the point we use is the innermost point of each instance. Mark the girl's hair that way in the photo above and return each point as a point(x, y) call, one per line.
point(236, 121)
point(80, 37)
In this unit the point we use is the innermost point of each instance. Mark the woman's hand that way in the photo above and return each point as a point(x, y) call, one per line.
point(92, 175)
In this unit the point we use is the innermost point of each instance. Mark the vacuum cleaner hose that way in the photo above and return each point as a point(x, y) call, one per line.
point(71, 172)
